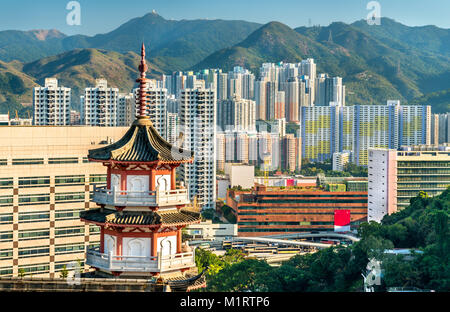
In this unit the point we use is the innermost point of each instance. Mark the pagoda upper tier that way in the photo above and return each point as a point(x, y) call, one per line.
point(141, 144)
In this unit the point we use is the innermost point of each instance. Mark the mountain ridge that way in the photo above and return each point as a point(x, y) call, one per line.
point(375, 65)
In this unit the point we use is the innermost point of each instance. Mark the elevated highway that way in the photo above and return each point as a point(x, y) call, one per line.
point(351, 237)
point(287, 239)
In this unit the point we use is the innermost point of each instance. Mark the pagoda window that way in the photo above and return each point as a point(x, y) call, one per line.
point(136, 246)
point(138, 183)
point(163, 183)
point(167, 245)
point(110, 244)
point(115, 181)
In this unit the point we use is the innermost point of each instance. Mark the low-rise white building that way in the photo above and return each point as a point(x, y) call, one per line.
point(340, 160)
point(212, 231)
point(240, 175)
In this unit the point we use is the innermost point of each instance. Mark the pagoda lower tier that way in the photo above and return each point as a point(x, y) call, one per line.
point(141, 243)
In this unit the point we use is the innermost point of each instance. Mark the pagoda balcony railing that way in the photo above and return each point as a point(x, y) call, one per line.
point(117, 197)
point(115, 263)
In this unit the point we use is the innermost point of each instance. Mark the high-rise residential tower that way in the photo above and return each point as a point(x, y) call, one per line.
point(99, 105)
point(198, 125)
point(51, 104)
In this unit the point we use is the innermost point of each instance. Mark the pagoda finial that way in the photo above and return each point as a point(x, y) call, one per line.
point(142, 100)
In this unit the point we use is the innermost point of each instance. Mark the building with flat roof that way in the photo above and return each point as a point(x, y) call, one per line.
point(45, 182)
point(275, 210)
point(397, 176)
point(51, 104)
point(330, 129)
point(100, 105)
point(340, 160)
point(207, 230)
point(240, 175)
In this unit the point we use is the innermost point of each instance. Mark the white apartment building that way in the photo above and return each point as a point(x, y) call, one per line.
point(212, 231)
point(198, 125)
point(172, 128)
point(126, 112)
point(51, 104)
point(340, 159)
point(99, 105)
point(236, 114)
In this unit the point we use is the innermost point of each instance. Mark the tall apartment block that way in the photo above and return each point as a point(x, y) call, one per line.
point(444, 128)
point(329, 89)
point(236, 114)
point(126, 109)
point(45, 182)
point(284, 152)
point(198, 125)
point(320, 132)
point(260, 99)
point(99, 105)
point(335, 128)
point(51, 104)
point(172, 128)
point(397, 176)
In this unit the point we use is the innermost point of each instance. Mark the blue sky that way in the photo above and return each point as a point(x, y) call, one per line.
point(100, 16)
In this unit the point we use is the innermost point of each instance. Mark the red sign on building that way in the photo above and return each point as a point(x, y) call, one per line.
point(342, 220)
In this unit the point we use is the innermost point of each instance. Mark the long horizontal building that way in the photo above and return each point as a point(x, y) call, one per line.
point(330, 129)
point(274, 211)
point(397, 176)
point(45, 182)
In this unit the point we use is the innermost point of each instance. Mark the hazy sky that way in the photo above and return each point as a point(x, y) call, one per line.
point(100, 16)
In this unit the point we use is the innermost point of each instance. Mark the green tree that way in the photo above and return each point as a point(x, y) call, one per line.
point(64, 272)
point(21, 273)
point(247, 275)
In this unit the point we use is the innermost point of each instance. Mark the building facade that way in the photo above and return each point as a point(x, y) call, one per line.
point(198, 125)
point(275, 211)
point(330, 129)
point(46, 181)
point(51, 104)
point(397, 176)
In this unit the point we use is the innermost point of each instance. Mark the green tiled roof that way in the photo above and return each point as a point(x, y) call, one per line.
point(141, 143)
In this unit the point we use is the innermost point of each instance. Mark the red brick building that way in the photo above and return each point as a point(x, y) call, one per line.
point(272, 211)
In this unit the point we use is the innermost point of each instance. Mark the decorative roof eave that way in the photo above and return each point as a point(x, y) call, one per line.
point(108, 224)
point(149, 163)
point(154, 220)
point(153, 226)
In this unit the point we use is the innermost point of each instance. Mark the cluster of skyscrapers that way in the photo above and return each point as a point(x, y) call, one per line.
point(229, 117)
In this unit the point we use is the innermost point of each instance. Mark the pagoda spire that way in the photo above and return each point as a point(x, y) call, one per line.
point(142, 80)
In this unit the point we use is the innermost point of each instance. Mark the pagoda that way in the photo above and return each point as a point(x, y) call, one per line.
point(142, 210)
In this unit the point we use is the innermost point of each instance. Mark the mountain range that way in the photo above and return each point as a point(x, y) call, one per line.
point(390, 61)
